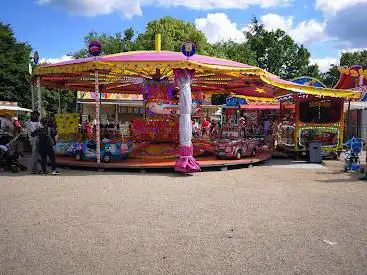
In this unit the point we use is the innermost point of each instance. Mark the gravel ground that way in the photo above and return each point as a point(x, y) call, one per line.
point(280, 218)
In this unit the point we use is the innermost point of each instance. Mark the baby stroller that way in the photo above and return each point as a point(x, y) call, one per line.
point(10, 152)
point(354, 149)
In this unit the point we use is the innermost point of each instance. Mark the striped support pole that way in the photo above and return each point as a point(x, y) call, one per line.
point(39, 94)
point(98, 133)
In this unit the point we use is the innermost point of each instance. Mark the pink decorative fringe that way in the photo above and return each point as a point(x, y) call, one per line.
point(186, 162)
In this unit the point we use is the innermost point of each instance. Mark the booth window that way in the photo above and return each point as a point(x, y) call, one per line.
point(325, 111)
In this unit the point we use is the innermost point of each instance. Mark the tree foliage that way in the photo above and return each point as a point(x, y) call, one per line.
point(353, 58)
point(276, 52)
point(51, 97)
point(174, 32)
point(14, 68)
point(240, 52)
point(331, 77)
point(119, 42)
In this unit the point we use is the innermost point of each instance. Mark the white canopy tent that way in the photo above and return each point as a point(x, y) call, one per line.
point(15, 108)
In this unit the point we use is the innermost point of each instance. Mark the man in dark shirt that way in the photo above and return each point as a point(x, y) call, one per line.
point(46, 138)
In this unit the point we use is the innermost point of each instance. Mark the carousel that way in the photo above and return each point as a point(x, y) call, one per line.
point(173, 86)
point(321, 118)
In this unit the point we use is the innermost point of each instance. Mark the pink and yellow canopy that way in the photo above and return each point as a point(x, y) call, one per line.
point(128, 73)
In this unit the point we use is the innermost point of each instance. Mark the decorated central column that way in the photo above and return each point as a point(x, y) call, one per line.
point(186, 162)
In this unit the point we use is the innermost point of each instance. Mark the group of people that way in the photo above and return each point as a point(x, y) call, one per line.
point(10, 126)
point(110, 130)
point(42, 137)
point(205, 128)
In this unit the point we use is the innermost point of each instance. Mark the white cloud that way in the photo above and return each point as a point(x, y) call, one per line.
point(325, 62)
point(55, 60)
point(352, 50)
point(219, 4)
point(303, 32)
point(274, 21)
point(331, 7)
point(346, 27)
point(218, 27)
point(130, 8)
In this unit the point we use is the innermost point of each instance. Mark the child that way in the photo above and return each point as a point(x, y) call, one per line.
point(46, 140)
point(205, 127)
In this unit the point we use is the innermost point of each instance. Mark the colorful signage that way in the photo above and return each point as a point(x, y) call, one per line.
point(319, 104)
point(67, 123)
point(188, 49)
point(95, 47)
point(355, 71)
point(109, 96)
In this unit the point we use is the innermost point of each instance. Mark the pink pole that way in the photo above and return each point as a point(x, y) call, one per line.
point(98, 138)
point(186, 162)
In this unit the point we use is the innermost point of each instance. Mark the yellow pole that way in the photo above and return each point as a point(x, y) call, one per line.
point(158, 44)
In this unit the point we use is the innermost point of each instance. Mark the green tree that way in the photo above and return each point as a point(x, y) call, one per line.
point(14, 68)
point(174, 32)
point(313, 71)
point(276, 52)
point(353, 58)
point(119, 42)
point(331, 77)
point(51, 97)
point(50, 100)
point(240, 52)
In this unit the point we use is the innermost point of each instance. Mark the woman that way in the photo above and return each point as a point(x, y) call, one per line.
point(31, 126)
point(46, 138)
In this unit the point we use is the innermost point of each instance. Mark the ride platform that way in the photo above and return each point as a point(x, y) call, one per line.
point(141, 164)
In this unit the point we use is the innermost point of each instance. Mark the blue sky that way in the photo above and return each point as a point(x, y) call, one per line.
point(57, 27)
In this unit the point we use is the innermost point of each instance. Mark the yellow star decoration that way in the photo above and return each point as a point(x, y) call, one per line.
point(260, 91)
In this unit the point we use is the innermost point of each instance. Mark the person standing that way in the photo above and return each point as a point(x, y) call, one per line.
point(195, 128)
point(46, 138)
point(31, 126)
point(267, 125)
point(205, 127)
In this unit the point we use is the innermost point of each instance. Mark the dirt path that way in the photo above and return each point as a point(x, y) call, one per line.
point(281, 218)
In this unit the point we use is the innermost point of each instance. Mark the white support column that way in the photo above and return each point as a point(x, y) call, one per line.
point(98, 133)
point(32, 94)
point(32, 88)
point(186, 163)
point(39, 94)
